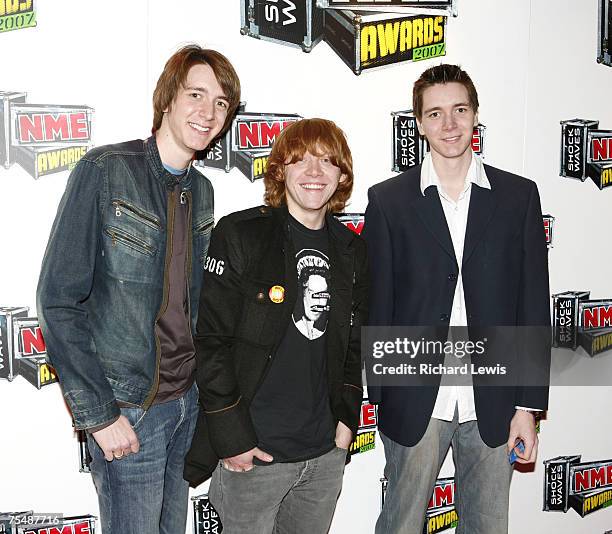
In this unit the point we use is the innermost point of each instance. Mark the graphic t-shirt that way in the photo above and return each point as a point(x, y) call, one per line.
point(291, 411)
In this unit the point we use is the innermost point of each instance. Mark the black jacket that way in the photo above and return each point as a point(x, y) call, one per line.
point(239, 327)
point(414, 273)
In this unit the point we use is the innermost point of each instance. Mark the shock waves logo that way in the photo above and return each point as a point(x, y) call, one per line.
point(16, 15)
point(586, 487)
point(379, 33)
point(586, 152)
point(43, 139)
point(247, 144)
point(205, 518)
point(22, 348)
point(441, 514)
point(580, 321)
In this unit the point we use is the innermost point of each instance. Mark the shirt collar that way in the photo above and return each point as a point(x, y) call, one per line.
point(476, 174)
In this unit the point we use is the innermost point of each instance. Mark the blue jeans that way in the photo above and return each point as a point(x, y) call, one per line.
point(282, 498)
point(482, 477)
point(145, 492)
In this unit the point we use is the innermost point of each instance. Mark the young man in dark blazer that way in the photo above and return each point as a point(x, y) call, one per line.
point(278, 346)
point(455, 243)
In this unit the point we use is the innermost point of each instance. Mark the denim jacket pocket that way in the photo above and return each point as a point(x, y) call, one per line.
point(132, 240)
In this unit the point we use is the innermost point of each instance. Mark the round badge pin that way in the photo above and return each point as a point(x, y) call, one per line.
point(277, 294)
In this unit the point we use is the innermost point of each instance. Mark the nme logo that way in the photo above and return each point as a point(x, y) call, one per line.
point(259, 134)
point(31, 341)
point(593, 478)
point(52, 127)
point(601, 149)
point(368, 416)
point(443, 495)
point(273, 12)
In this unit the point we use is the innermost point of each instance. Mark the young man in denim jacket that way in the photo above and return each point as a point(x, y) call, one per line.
point(118, 295)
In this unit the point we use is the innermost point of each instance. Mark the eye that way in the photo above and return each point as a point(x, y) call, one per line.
point(462, 110)
point(222, 104)
point(194, 95)
point(434, 115)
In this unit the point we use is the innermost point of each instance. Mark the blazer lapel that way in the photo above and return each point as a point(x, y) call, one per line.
point(430, 211)
point(483, 203)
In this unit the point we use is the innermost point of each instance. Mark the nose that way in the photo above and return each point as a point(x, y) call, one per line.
point(207, 109)
point(314, 167)
point(449, 121)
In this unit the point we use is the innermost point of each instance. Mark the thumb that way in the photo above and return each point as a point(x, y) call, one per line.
point(263, 456)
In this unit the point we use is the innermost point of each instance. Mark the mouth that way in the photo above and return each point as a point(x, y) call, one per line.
point(199, 127)
point(313, 187)
point(453, 139)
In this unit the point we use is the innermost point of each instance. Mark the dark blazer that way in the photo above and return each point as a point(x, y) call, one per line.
point(239, 327)
point(413, 275)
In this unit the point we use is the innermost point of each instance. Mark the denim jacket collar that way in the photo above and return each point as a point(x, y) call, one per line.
point(164, 177)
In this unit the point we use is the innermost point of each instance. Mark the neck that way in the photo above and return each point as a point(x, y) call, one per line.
point(452, 171)
point(314, 220)
point(169, 152)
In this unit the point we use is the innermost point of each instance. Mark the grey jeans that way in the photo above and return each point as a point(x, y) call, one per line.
point(282, 498)
point(482, 477)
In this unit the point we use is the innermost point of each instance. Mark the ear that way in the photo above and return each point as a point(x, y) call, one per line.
point(342, 178)
point(420, 127)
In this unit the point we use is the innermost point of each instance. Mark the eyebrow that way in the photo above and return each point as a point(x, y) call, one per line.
point(204, 90)
point(458, 105)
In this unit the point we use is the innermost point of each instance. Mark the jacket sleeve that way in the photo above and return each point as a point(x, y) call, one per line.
point(534, 310)
point(377, 235)
point(65, 283)
point(221, 301)
point(353, 388)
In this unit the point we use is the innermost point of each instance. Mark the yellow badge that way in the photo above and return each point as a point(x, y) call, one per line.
point(277, 294)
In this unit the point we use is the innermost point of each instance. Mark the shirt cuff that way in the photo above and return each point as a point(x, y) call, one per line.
point(528, 409)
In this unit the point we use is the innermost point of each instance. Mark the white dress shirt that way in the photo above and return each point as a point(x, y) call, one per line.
point(456, 214)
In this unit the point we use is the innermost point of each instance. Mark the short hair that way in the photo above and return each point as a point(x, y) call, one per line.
point(442, 74)
point(175, 74)
point(317, 136)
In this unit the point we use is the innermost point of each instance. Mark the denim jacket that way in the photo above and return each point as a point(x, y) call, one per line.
point(103, 283)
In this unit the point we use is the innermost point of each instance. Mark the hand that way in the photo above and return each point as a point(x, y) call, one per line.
point(522, 427)
point(117, 439)
point(244, 461)
point(344, 436)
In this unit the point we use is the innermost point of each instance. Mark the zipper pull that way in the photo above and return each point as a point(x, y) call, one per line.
point(183, 197)
point(117, 211)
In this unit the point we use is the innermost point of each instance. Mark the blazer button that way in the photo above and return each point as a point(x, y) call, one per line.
point(452, 277)
point(443, 317)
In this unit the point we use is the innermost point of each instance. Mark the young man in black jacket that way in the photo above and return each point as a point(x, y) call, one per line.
point(278, 344)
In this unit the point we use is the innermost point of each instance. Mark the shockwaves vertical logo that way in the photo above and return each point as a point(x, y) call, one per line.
point(42, 139)
point(383, 32)
point(586, 487)
point(247, 144)
point(441, 514)
point(205, 518)
point(410, 147)
point(17, 15)
point(580, 321)
point(22, 348)
point(586, 152)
